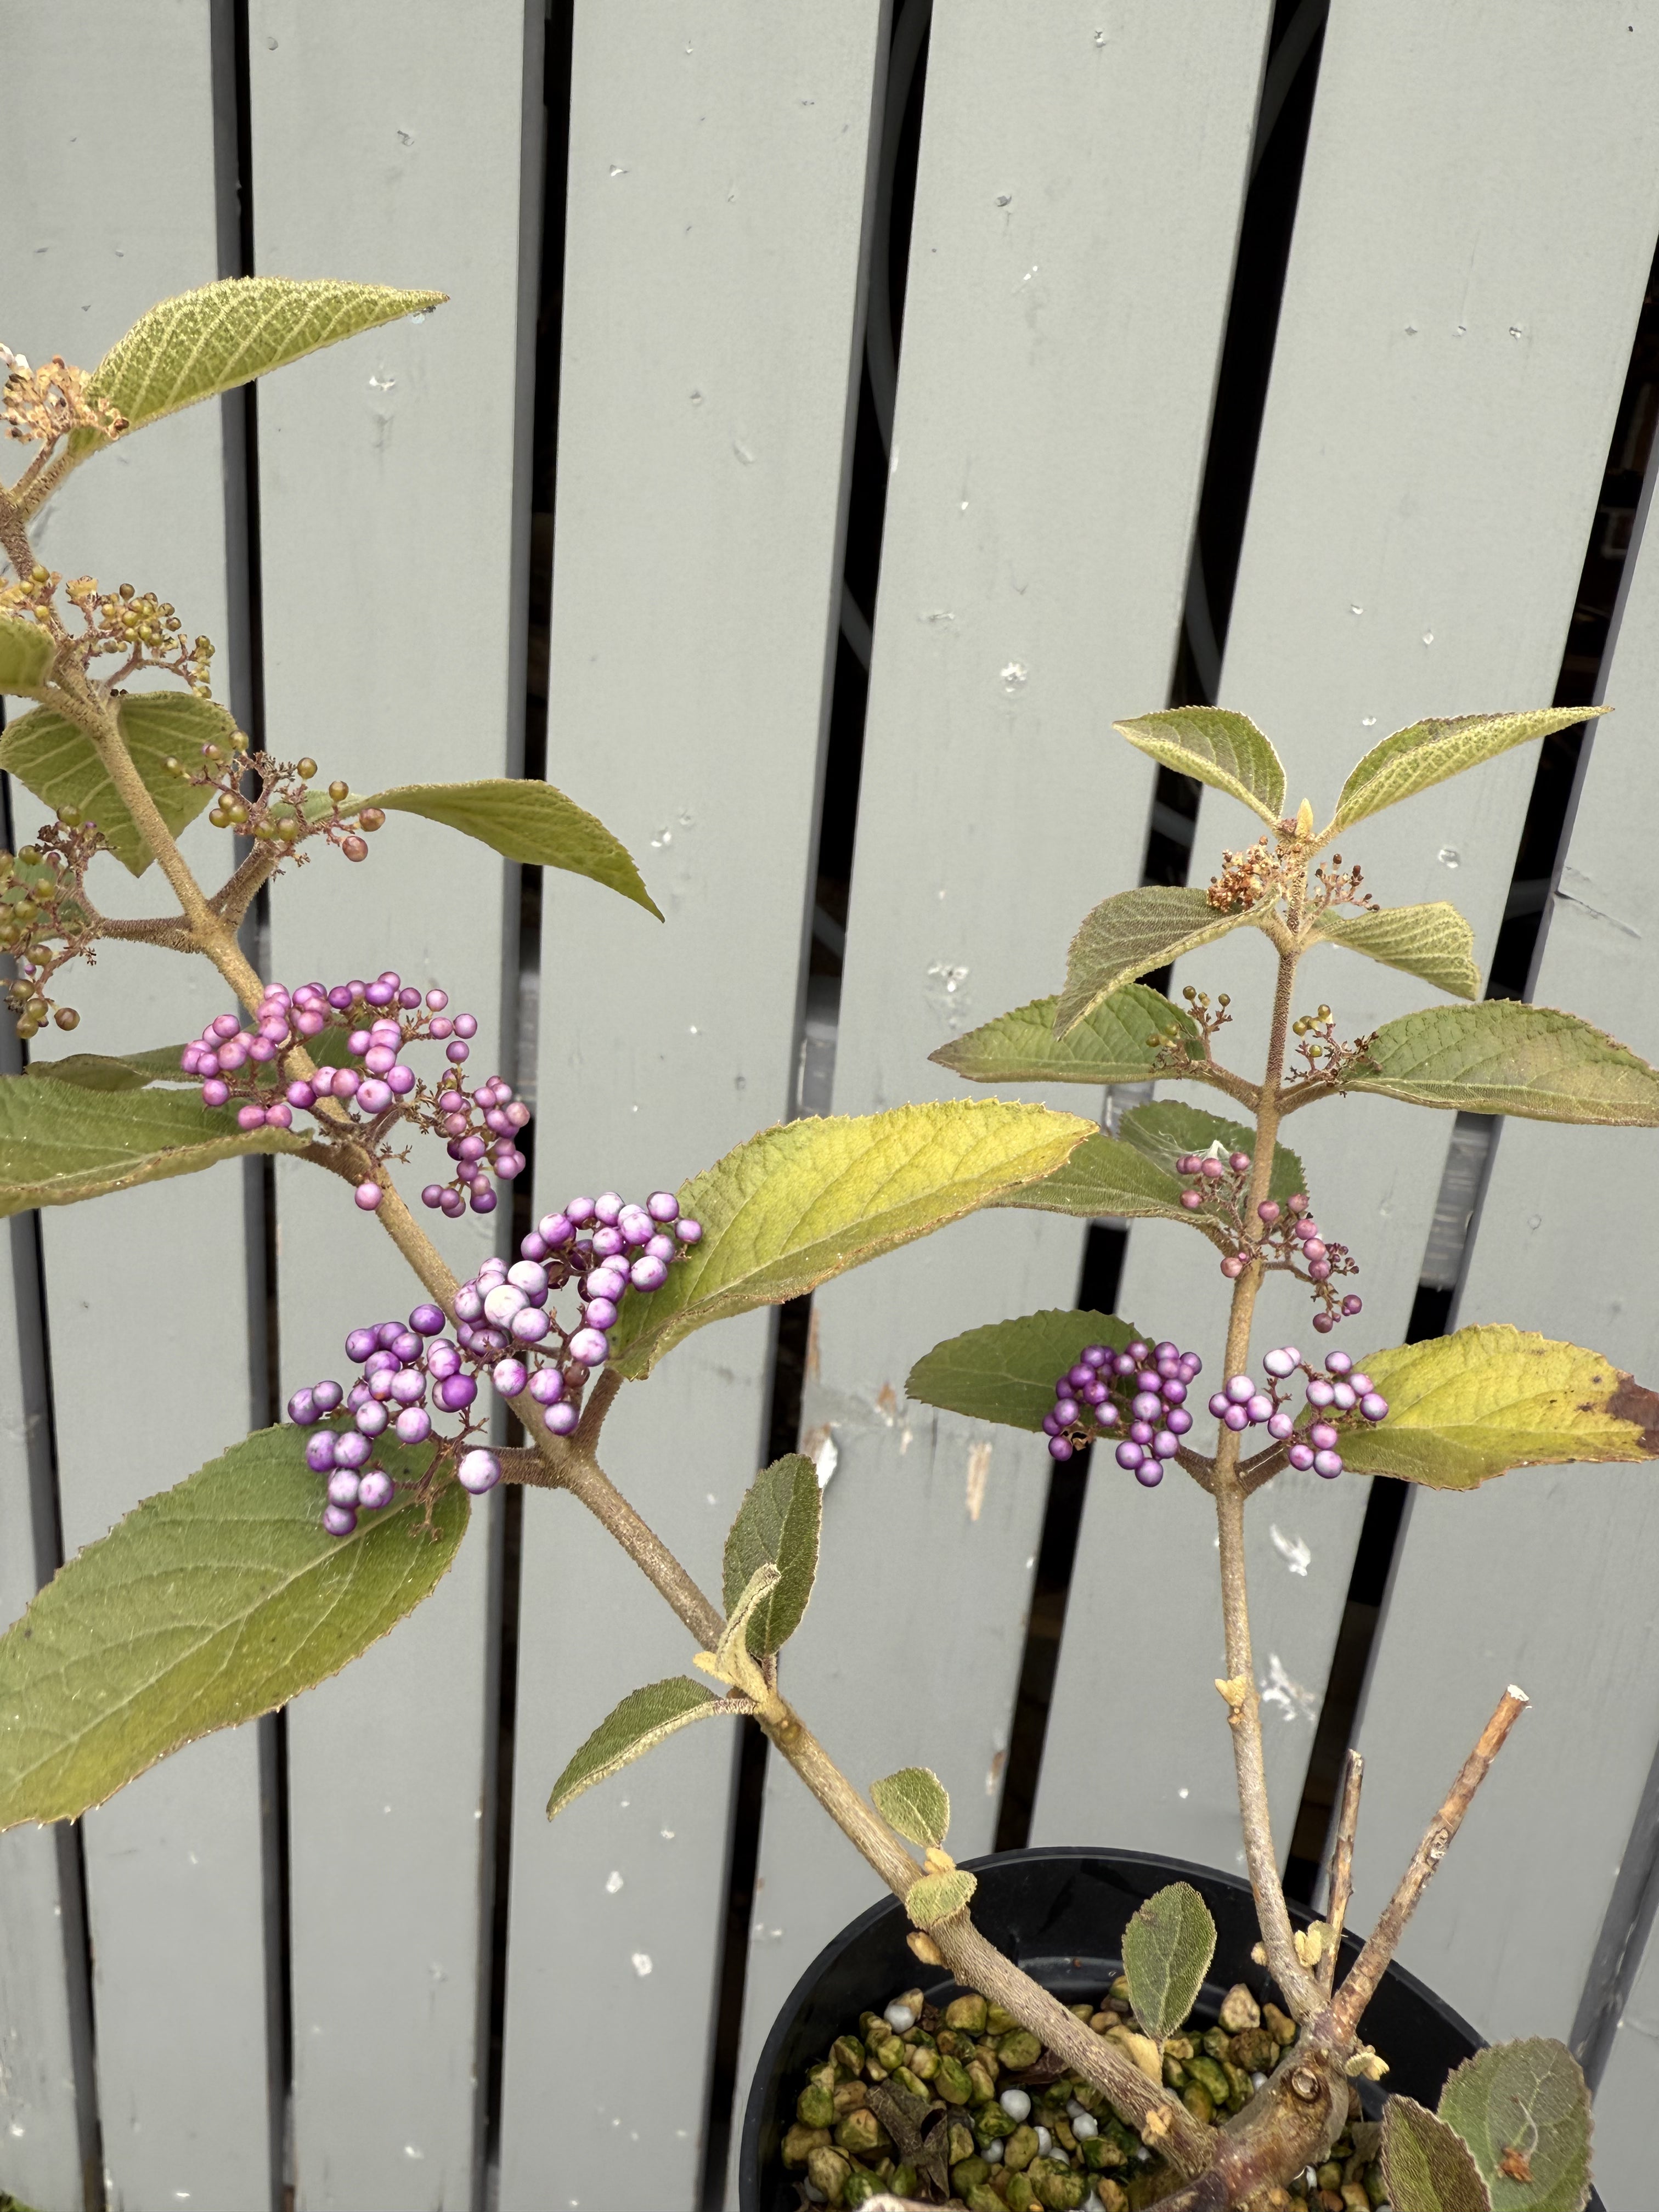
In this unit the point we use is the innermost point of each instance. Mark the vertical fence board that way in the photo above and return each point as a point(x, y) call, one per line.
point(716, 208)
point(1458, 309)
point(1080, 176)
point(390, 635)
point(176, 1867)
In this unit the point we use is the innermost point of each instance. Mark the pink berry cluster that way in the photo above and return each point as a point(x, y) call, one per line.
point(1146, 1383)
point(1241, 1404)
point(375, 1088)
point(1290, 1243)
point(506, 1333)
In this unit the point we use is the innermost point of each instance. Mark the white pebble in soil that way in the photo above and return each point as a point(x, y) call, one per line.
point(1084, 2124)
point(1016, 2104)
point(1045, 2142)
point(899, 2018)
point(992, 2153)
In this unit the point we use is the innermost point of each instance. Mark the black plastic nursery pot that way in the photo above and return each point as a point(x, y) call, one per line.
point(1059, 1913)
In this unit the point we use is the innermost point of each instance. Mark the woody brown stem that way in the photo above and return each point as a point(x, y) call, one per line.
point(1348, 1822)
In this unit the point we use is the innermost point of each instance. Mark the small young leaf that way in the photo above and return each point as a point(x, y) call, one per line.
point(1433, 942)
point(732, 1660)
point(25, 653)
point(1426, 2166)
point(916, 1803)
point(1225, 750)
point(1005, 1372)
point(92, 1070)
point(797, 1204)
point(59, 1143)
point(642, 1720)
point(1118, 1043)
point(1504, 1057)
point(1428, 752)
point(524, 820)
point(1465, 1407)
point(1524, 2111)
point(936, 1896)
point(1167, 1949)
point(1169, 1128)
point(777, 1525)
point(1130, 934)
point(217, 1601)
point(55, 758)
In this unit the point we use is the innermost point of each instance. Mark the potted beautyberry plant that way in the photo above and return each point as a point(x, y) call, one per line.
point(984, 2088)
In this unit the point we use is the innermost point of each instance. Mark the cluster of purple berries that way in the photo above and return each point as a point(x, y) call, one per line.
point(1148, 1382)
point(382, 1018)
point(504, 1330)
point(1291, 1237)
point(1240, 1404)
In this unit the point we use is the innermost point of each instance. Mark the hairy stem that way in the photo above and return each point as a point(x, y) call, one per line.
point(1348, 1822)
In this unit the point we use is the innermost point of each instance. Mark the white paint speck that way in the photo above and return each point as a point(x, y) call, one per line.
point(825, 1459)
point(1293, 1550)
point(1279, 1689)
point(979, 1469)
point(667, 1835)
point(613, 1883)
point(641, 1964)
point(1183, 1794)
point(410, 2151)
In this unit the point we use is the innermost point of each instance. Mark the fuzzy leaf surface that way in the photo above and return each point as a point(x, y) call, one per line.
point(1005, 1372)
point(1167, 1949)
point(1130, 934)
point(1167, 1128)
point(25, 653)
point(1463, 1408)
point(91, 1070)
point(1505, 1057)
point(808, 1199)
point(217, 1601)
point(1117, 1043)
point(1426, 2165)
point(1104, 1179)
point(1428, 752)
point(916, 1803)
point(526, 820)
point(59, 1143)
point(1224, 750)
point(1524, 2111)
point(55, 758)
point(936, 1896)
point(1433, 942)
point(645, 1718)
point(777, 1525)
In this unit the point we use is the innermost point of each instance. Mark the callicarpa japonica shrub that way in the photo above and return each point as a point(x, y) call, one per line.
point(364, 1490)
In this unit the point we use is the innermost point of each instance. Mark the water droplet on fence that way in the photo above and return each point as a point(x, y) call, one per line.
point(1014, 676)
point(1449, 856)
point(613, 1883)
point(641, 1964)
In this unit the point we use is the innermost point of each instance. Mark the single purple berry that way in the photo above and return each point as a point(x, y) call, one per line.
point(1237, 1417)
point(469, 1303)
point(456, 1052)
point(1211, 1170)
point(1150, 1473)
point(1322, 1324)
point(607, 1243)
point(302, 1408)
point(1322, 1436)
point(326, 1396)
point(635, 1224)
point(529, 1276)
point(408, 1387)
point(1339, 1362)
point(556, 1230)
point(352, 1450)
point(367, 1195)
point(1280, 1425)
point(1328, 1463)
point(342, 1486)
point(579, 1210)
point(1141, 1432)
point(608, 1206)
point(561, 1419)
point(1192, 1199)
point(319, 1451)
point(1129, 1454)
point(481, 1201)
point(1319, 1271)
point(1233, 1266)
point(339, 1520)
point(1095, 1356)
point(453, 1205)
point(663, 1205)
point(1240, 1389)
point(1146, 1405)
point(1359, 1383)
point(1107, 1416)
point(1165, 1444)
point(1320, 1392)
point(413, 1425)
point(1177, 1420)
point(1279, 1363)
point(442, 1359)
point(456, 1392)
point(589, 1347)
point(407, 1345)
point(300, 1094)
point(380, 1060)
point(1059, 1448)
point(648, 1272)
point(1239, 1162)
point(1219, 1402)
point(466, 1025)
point(427, 1320)
point(375, 1490)
point(1301, 1456)
point(1353, 1304)
point(502, 1303)
point(386, 1333)
point(509, 1377)
point(599, 1313)
point(1173, 1390)
point(531, 1326)
point(547, 1386)
point(1346, 1396)
point(1373, 1406)
point(372, 1419)
point(250, 1117)
point(1259, 1407)
point(1079, 1374)
point(1066, 1411)
point(688, 1232)
point(1093, 1393)
point(1193, 1364)
point(1268, 1211)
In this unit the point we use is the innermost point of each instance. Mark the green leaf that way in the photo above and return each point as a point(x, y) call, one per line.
point(916, 1803)
point(25, 652)
point(1221, 749)
point(1504, 1057)
point(1117, 1043)
point(225, 334)
point(1524, 2111)
point(1433, 942)
point(92, 1070)
point(1131, 1176)
point(56, 759)
point(527, 821)
point(1428, 2167)
point(777, 1525)
point(642, 1720)
point(59, 1143)
point(733, 1660)
point(217, 1601)
point(1130, 934)
point(800, 1203)
point(1006, 1371)
point(1167, 1949)
point(1465, 1407)
point(936, 1896)
point(1168, 1127)
point(1428, 752)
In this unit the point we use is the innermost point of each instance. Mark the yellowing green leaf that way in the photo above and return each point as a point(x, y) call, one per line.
point(91, 1070)
point(1007, 1371)
point(1167, 1949)
point(528, 821)
point(59, 1142)
point(936, 1897)
point(777, 1525)
point(57, 760)
point(1167, 1128)
point(1433, 942)
point(217, 1601)
point(1222, 749)
point(1465, 1407)
point(25, 653)
point(643, 1719)
point(1429, 751)
point(916, 1803)
point(1426, 2164)
point(1131, 1176)
point(1132, 934)
point(1118, 1043)
point(800, 1203)
point(1503, 1057)
point(1524, 2111)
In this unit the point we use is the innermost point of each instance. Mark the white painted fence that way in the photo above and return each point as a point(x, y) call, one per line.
point(270, 1962)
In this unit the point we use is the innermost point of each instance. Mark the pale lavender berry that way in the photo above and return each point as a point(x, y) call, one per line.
point(456, 1052)
point(688, 1232)
point(437, 1000)
point(635, 1224)
point(502, 1303)
point(455, 1392)
point(1374, 1407)
point(1234, 1266)
point(342, 1486)
point(300, 1094)
point(529, 1327)
point(302, 1408)
point(380, 1060)
point(1346, 1396)
point(1237, 1417)
point(1328, 1463)
point(1320, 1392)
point(408, 1386)
point(1322, 1436)
point(1359, 1383)
point(1173, 1390)
point(442, 1360)
point(346, 1084)
point(1107, 1416)
point(509, 1377)
point(352, 1450)
point(1059, 1448)
point(466, 1025)
point(1259, 1409)
point(1339, 1362)
point(478, 1471)
point(1129, 1454)
point(339, 1520)
point(452, 1204)
point(589, 1347)
point(1150, 1473)
point(547, 1386)
point(663, 1205)
point(407, 1346)
point(1094, 1392)
point(320, 1452)
point(607, 1243)
point(530, 1277)
point(1293, 1356)
point(1123, 1363)
point(1193, 1364)
point(1313, 1248)
point(1146, 1405)
point(599, 1313)
point(413, 1425)
point(561, 1419)
point(376, 1489)
point(1094, 1356)
point(1141, 1432)
point(1279, 1363)
point(1219, 1402)
point(469, 1303)
point(1240, 1389)
point(1319, 1271)
point(1280, 1425)
point(608, 1206)
point(649, 1272)
point(215, 1093)
point(367, 1195)
point(1192, 1199)
point(1177, 1420)
point(326, 1396)
point(556, 1230)
point(1165, 1444)
point(374, 1095)
point(399, 1079)
point(1078, 1375)
point(1268, 1211)
point(1239, 1162)
point(372, 1419)
point(1300, 1456)
point(386, 1333)
point(1066, 1411)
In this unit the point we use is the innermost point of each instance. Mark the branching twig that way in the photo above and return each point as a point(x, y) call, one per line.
point(1336, 1911)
